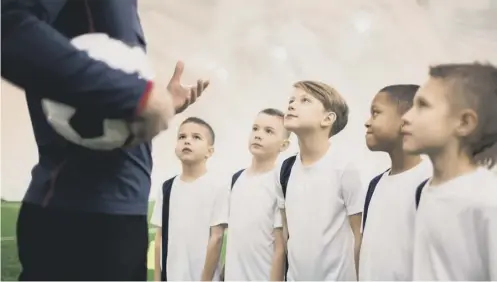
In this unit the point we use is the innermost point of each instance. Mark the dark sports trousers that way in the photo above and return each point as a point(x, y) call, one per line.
point(74, 246)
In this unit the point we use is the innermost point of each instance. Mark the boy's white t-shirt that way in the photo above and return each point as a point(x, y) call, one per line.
point(456, 229)
point(194, 207)
point(319, 200)
point(254, 214)
point(387, 243)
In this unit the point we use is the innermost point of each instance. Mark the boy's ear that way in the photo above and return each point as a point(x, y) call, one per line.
point(329, 119)
point(285, 145)
point(468, 123)
point(210, 152)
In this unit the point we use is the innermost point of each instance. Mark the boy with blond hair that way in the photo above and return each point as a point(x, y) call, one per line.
point(320, 193)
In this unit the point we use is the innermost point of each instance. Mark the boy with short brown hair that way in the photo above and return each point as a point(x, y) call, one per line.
point(454, 121)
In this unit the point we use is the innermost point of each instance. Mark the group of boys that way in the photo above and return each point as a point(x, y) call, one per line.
point(309, 218)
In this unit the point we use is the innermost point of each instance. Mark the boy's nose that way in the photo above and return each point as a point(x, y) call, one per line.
point(406, 117)
point(367, 124)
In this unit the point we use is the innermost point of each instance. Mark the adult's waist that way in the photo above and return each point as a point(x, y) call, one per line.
point(55, 151)
point(116, 184)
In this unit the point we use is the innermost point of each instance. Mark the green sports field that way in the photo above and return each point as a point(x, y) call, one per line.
point(10, 264)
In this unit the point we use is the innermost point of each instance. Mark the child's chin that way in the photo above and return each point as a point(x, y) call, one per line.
point(373, 148)
point(372, 145)
point(409, 146)
point(189, 159)
point(412, 150)
point(292, 127)
point(256, 152)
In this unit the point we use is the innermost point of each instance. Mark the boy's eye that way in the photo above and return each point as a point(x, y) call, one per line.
point(197, 137)
point(421, 104)
point(254, 128)
point(181, 137)
point(306, 100)
point(269, 131)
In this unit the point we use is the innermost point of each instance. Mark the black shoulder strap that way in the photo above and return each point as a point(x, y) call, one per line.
point(369, 195)
point(419, 190)
point(166, 192)
point(235, 176)
point(286, 170)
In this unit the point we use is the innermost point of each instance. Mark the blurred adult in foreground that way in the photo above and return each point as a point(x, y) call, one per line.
point(84, 216)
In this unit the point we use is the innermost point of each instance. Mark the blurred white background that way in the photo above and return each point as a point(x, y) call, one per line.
point(254, 50)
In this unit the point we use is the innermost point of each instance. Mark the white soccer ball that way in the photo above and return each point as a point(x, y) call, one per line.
point(95, 134)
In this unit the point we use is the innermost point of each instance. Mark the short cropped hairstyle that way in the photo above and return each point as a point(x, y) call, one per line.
point(275, 113)
point(402, 95)
point(331, 100)
point(203, 123)
point(474, 86)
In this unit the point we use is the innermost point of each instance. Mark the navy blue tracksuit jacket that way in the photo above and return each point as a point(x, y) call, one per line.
point(38, 57)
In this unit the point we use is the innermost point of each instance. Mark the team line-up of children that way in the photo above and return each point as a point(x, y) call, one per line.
point(308, 218)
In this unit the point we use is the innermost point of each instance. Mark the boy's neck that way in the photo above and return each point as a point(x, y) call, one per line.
point(313, 147)
point(402, 162)
point(191, 172)
point(449, 164)
point(262, 165)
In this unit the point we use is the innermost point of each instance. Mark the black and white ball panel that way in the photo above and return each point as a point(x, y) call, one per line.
point(81, 126)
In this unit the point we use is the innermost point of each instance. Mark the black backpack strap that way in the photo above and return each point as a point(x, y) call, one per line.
point(419, 190)
point(369, 195)
point(166, 192)
point(286, 170)
point(235, 177)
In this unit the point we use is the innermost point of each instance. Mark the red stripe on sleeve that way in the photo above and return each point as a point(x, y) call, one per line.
point(144, 99)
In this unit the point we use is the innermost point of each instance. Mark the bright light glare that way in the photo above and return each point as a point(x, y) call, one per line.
point(362, 24)
point(280, 53)
point(222, 73)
